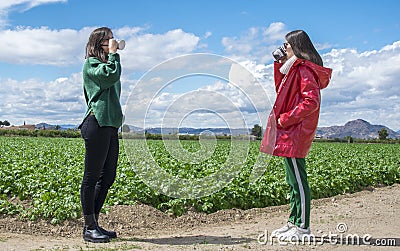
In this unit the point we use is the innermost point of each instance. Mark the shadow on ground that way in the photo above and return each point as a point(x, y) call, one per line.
point(197, 239)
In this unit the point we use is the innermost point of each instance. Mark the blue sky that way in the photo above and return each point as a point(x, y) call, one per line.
point(43, 42)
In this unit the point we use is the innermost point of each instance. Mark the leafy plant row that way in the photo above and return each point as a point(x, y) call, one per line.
point(40, 177)
point(70, 133)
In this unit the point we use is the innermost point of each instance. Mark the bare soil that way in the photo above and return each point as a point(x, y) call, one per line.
point(374, 212)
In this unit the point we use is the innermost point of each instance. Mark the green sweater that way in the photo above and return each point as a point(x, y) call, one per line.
point(102, 90)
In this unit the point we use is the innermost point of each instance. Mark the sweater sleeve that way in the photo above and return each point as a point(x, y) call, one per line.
point(107, 74)
point(310, 93)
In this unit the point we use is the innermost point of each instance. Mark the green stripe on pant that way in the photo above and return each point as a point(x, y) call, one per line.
point(300, 197)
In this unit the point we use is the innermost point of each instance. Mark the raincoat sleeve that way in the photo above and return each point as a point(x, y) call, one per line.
point(278, 76)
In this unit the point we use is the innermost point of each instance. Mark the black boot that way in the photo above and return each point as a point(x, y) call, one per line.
point(91, 231)
point(110, 234)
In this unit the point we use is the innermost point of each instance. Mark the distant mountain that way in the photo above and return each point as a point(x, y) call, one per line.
point(69, 126)
point(198, 131)
point(358, 129)
point(135, 128)
point(53, 127)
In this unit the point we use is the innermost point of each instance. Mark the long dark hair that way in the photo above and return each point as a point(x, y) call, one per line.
point(93, 46)
point(303, 47)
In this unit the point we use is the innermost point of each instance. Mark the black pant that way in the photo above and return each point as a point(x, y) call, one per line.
point(101, 158)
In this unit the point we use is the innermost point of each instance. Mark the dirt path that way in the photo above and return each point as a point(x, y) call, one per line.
point(373, 212)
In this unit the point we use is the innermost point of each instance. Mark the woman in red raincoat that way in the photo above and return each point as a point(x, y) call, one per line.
point(299, 76)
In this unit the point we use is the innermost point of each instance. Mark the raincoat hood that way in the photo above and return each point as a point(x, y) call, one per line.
point(324, 74)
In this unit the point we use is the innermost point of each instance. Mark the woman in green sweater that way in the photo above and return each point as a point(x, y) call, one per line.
point(102, 88)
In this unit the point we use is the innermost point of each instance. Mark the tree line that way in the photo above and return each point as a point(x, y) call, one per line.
point(4, 123)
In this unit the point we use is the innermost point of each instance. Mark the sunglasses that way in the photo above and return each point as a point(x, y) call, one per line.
point(107, 44)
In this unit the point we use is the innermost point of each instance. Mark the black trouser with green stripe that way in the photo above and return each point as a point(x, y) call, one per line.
point(300, 197)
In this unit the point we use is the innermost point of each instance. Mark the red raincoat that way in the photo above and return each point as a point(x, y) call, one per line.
point(297, 105)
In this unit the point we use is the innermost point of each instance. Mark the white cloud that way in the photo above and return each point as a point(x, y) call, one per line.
point(33, 101)
point(43, 46)
point(234, 102)
point(26, 4)
point(144, 51)
point(63, 47)
point(255, 44)
point(208, 34)
point(20, 5)
point(275, 32)
point(364, 85)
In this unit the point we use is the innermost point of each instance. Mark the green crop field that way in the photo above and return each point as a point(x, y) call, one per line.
point(40, 177)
